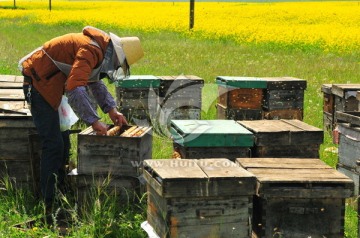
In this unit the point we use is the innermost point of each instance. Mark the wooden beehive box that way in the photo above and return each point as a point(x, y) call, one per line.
point(199, 198)
point(15, 127)
point(284, 138)
point(195, 139)
point(137, 97)
point(345, 97)
point(348, 124)
point(240, 98)
point(297, 197)
point(284, 94)
point(117, 155)
point(179, 89)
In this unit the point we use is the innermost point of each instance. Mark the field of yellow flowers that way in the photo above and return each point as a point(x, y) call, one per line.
point(328, 25)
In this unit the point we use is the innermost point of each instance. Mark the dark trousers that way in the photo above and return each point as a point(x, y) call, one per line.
point(55, 145)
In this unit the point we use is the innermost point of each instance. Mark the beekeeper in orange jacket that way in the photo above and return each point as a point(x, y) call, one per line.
point(67, 65)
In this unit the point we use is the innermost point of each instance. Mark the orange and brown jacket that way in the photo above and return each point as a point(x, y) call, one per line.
point(74, 49)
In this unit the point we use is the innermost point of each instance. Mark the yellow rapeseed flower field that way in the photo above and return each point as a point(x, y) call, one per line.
point(330, 25)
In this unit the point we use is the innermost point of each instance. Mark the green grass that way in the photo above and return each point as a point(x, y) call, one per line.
point(168, 53)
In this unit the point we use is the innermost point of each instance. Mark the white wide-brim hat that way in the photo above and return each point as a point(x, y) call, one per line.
point(127, 47)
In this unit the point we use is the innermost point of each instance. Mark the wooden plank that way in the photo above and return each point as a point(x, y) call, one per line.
point(12, 78)
point(222, 168)
point(341, 89)
point(226, 178)
point(283, 132)
point(302, 125)
point(295, 174)
point(175, 169)
point(9, 85)
point(7, 78)
point(198, 178)
point(12, 94)
point(300, 163)
point(13, 105)
point(349, 117)
point(264, 126)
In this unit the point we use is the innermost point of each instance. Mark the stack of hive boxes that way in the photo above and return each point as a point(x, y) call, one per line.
point(199, 198)
point(112, 163)
point(250, 98)
point(148, 99)
point(19, 157)
point(137, 98)
point(284, 138)
point(297, 197)
point(342, 120)
point(179, 98)
point(338, 98)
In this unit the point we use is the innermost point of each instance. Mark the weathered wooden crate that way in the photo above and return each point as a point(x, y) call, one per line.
point(14, 130)
point(348, 125)
point(195, 139)
point(284, 138)
point(276, 97)
point(238, 114)
point(177, 86)
point(298, 197)
point(118, 155)
point(345, 97)
point(284, 93)
point(15, 127)
point(199, 198)
point(358, 98)
point(240, 92)
point(137, 97)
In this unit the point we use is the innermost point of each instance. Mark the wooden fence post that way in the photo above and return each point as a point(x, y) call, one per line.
point(192, 6)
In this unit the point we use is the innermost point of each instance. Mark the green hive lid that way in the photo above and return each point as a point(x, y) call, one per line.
point(210, 133)
point(139, 81)
point(241, 82)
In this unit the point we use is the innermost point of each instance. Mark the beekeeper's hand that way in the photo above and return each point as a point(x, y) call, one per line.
point(117, 117)
point(100, 128)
